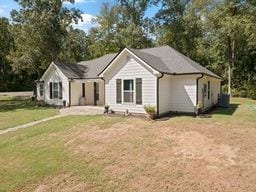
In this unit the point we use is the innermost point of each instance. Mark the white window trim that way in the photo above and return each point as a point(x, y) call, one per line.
point(134, 92)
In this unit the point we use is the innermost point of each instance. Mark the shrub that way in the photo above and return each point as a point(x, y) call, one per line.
point(151, 111)
point(150, 108)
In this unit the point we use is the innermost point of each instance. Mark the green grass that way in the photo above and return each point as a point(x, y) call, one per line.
point(237, 111)
point(27, 156)
point(17, 112)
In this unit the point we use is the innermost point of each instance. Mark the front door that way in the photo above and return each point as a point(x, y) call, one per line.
point(96, 92)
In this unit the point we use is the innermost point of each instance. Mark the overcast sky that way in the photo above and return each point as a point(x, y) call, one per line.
point(90, 9)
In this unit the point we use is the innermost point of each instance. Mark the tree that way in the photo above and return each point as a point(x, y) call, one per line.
point(119, 26)
point(103, 38)
point(74, 47)
point(133, 24)
point(40, 27)
point(231, 24)
point(5, 46)
point(218, 34)
point(180, 26)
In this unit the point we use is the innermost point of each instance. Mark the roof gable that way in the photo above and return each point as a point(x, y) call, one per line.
point(48, 71)
point(167, 60)
point(158, 59)
point(137, 56)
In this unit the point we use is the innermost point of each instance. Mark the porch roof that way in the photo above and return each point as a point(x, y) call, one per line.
point(85, 69)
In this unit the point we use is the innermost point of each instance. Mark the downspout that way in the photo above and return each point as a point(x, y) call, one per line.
point(104, 93)
point(69, 87)
point(197, 80)
point(157, 94)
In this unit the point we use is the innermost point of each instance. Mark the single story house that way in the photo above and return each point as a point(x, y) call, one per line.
point(160, 76)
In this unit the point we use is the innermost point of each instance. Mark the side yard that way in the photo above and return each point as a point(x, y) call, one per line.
point(17, 111)
point(101, 153)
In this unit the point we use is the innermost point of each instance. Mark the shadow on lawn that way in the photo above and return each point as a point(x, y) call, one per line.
point(18, 104)
point(216, 110)
point(224, 111)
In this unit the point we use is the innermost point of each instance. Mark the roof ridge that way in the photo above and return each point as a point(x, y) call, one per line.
point(153, 47)
point(97, 57)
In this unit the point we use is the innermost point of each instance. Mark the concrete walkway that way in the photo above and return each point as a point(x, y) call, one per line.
point(28, 124)
point(75, 110)
point(82, 110)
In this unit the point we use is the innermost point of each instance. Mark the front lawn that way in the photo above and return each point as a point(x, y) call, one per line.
point(19, 111)
point(100, 153)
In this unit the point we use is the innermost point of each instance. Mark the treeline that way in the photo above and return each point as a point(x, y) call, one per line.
point(220, 35)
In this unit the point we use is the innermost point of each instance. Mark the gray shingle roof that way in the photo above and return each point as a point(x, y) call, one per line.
point(163, 59)
point(167, 60)
point(72, 71)
point(95, 66)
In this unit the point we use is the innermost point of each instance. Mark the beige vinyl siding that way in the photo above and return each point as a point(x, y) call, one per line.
point(177, 93)
point(214, 91)
point(76, 92)
point(130, 68)
point(89, 92)
point(55, 75)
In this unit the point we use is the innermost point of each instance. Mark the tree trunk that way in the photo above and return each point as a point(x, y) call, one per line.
point(231, 61)
point(229, 65)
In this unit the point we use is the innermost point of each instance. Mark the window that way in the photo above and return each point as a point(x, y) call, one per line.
point(138, 91)
point(41, 89)
point(118, 91)
point(209, 89)
point(60, 90)
point(128, 91)
point(55, 90)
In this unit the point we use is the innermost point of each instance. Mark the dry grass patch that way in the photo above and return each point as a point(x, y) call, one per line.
point(194, 145)
point(134, 154)
point(173, 155)
point(62, 183)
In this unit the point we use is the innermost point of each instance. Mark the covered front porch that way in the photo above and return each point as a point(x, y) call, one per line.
point(86, 92)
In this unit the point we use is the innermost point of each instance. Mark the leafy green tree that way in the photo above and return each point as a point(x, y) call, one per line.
point(119, 26)
point(218, 34)
point(180, 26)
point(74, 47)
point(5, 47)
point(40, 27)
point(133, 24)
point(103, 38)
point(231, 25)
